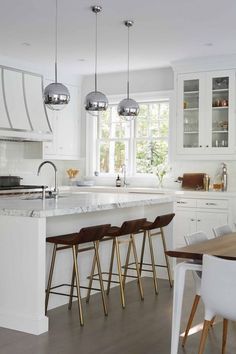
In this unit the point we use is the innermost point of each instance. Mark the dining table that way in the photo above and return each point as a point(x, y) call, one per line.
point(223, 246)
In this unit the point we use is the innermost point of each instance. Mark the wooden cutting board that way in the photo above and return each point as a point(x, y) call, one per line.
point(193, 181)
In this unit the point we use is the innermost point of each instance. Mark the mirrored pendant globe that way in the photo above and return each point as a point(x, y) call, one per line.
point(96, 101)
point(56, 96)
point(128, 109)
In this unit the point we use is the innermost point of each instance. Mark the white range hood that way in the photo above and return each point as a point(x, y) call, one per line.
point(23, 115)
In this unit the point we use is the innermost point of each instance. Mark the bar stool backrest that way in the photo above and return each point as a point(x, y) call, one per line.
point(162, 221)
point(131, 226)
point(92, 233)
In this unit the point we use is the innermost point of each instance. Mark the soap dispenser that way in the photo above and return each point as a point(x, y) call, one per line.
point(118, 181)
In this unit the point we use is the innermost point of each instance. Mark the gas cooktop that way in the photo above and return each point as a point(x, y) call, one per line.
point(29, 186)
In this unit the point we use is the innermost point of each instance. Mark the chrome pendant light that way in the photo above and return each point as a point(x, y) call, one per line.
point(128, 108)
point(96, 101)
point(56, 95)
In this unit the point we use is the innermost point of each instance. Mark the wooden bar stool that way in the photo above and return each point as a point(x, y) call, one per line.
point(127, 228)
point(130, 228)
point(87, 234)
point(159, 223)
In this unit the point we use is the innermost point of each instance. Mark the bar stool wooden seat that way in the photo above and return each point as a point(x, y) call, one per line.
point(130, 228)
point(87, 234)
point(158, 224)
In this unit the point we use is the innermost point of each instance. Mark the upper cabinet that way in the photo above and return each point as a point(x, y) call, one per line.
point(206, 114)
point(66, 129)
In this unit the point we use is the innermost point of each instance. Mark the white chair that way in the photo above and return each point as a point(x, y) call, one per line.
point(222, 230)
point(218, 294)
point(191, 240)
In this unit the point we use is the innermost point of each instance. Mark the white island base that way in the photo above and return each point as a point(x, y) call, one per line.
point(24, 257)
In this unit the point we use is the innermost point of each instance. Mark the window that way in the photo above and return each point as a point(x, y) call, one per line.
point(140, 144)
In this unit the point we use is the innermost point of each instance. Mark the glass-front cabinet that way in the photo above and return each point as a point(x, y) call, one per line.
point(205, 113)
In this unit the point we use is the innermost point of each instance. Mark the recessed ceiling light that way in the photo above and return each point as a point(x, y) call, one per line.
point(208, 44)
point(26, 44)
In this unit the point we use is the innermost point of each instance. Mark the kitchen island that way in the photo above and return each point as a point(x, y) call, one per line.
point(24, 257)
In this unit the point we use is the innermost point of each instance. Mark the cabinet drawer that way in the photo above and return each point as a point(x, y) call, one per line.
point(185, 202)
point(212, 203)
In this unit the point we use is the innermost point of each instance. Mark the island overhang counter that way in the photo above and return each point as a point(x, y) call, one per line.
point(24, 257)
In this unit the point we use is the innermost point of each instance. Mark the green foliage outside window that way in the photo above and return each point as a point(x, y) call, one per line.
point(150, 139)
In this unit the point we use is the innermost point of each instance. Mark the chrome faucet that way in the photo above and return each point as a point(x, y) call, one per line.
point(55, 192)
point(124, 175)
point(224, 177)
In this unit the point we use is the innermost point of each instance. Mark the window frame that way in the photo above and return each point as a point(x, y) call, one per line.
point(92, 154)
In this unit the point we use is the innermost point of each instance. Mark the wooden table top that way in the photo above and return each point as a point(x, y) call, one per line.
point(223, 246)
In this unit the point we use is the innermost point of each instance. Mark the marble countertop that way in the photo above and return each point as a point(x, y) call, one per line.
point(77, 203)
point(149, 190)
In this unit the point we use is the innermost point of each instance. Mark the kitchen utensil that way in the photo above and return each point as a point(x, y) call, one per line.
point(193, 181)
point(10, 181)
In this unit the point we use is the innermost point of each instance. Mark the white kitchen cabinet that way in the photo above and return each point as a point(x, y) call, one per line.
point(192, 215)
point(206, 113)
point(65, 127)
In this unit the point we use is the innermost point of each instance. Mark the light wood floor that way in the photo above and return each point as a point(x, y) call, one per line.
point(144, 327)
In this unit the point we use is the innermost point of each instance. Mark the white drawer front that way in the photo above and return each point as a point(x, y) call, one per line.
point(185, 202)
point(212, 203)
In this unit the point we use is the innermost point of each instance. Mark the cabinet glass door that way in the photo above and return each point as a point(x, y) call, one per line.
point(220, 112)
point(191, 113)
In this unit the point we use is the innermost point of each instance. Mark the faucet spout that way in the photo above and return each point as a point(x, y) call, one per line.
point(55, 172)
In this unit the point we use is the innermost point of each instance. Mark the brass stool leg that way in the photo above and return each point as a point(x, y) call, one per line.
point(72, 284)
point(91, 278)
point(137, 265)
point(111, 267)
point(72, 288)
point(126, 263)
point(166, 258)
point(96, 244)
point(50, 277)
point(122, 295)
point(153, 262)
point(142, 252)
point(74, 251)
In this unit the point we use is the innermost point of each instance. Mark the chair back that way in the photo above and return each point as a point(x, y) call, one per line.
point(222, 230)
point(161, 221)
point(192, 239)
point(131, 226)
point(195, 237)
point(218, 289)
point(92, 233)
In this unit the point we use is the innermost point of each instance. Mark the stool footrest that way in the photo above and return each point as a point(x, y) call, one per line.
point(112, 281)
point(146, 264)
point(69, 285)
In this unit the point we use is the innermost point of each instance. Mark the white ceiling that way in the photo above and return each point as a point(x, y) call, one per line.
point(164, 31)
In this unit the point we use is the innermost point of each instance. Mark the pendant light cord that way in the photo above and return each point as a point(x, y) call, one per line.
point(128, 68)
point(56, 30)
point(96, 51)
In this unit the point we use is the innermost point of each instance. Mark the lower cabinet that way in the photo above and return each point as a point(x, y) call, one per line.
point(192, 215)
